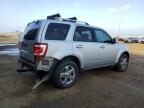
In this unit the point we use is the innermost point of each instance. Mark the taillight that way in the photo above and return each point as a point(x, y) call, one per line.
point(40, 49)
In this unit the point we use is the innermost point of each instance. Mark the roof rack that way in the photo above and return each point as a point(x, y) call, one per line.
point(72, 19)
point(54, 16)
point(69, 19)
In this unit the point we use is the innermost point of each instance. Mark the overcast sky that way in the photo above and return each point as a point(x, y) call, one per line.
point(108, 14)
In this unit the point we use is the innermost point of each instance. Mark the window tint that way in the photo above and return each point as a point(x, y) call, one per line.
point(83, 34)
point(31, 31)
point(102, 36)
point(57, 31)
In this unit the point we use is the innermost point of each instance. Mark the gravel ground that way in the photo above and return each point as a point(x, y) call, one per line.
point(100, 88)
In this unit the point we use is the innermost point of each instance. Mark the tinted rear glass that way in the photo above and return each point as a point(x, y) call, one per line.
point(31, 31)
point(56, 31)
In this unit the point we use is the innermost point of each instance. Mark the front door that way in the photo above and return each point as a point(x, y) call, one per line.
point(107, 49)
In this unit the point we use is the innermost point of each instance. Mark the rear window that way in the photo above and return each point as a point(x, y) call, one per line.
point(31, 31)
point(56, 31)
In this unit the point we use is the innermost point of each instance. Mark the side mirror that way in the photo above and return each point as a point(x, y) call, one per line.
point(114, 41)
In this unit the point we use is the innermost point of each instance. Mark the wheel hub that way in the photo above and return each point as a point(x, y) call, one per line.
point(67, 75)
point(124, 63)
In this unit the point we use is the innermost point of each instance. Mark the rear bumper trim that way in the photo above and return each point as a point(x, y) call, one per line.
point(38, 66)
point(27, 64)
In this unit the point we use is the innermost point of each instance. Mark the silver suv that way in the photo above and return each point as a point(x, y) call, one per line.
point(61, 48)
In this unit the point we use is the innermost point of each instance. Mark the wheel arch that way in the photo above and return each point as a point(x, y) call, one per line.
point(127, 53)
point(124, 52)
point(74, 58)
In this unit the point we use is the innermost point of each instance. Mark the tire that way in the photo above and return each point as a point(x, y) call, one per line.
point(65, 74)
point(122, 64)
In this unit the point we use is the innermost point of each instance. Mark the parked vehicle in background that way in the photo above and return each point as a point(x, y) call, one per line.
point(128, 40)
point(61, 48)
point(141, 40)
point(135, 40)
point(132, 40)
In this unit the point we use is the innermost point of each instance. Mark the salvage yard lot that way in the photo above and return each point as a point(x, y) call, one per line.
point(100, 88)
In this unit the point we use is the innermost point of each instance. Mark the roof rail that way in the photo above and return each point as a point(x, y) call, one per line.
point(54, 16)
point(83, 22)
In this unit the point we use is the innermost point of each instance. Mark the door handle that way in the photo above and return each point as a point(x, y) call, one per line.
point(102, 46)
point(79, 46)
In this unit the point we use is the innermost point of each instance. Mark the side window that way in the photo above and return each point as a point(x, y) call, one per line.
point(83, 34)
point(57, 31)
point(102, 36)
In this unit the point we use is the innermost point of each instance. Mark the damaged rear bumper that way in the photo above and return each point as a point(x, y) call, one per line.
point(45, 64)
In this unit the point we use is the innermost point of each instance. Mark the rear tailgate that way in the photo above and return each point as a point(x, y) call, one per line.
point(29, 40)
point(27, 50)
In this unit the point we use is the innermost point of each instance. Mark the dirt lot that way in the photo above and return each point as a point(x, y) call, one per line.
point(101, 88)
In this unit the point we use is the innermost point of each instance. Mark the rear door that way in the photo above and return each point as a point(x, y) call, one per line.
point(83, 44)
point(29, 39)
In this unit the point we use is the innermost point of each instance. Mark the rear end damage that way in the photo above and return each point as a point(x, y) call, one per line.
point(33, 54)
point(44, 69)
